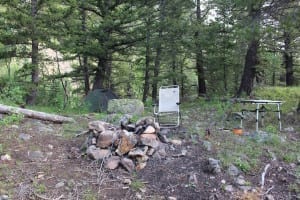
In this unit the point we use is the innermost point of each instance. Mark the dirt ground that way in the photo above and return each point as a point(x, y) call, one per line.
point(59, 173)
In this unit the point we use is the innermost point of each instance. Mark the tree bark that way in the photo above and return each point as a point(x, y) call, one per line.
point(158, 47)
point(34, 114)
point(288, 60)
point(250, 68)
point(199, 57)
point(251, 59)
point(31, 97)
point(102, 73)
point(85, 58)
point(147, 64)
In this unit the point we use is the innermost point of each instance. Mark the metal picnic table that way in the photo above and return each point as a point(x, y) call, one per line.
point(260, 108)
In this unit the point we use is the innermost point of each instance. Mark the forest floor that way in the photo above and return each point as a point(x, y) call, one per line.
point(41, 164)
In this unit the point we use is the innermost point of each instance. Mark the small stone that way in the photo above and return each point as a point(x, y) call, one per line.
point(269, 197)
point(207, 145)
point(138, 151)
point(4, 197)
point(24, 136)
point(233, 170)
point(229, 188)
point(240, 180)
point(245, 188)
point(289, 129)
point(14, 126)
point(214, 165)
point(176, 142)
point(149, 130)
point(112, 162)
point(150, 151)
point(94, 141)
point(127, 164)
point(50, 146)
point(141, 165)
point(96, 153)
point(127, 181)
point(223, 181)
point(138, 196)
point(172, 198)
point(60, 184)
point(97, 127)
point(36, 155)
point(6, 157)
point(149, 140)
point(106, 139)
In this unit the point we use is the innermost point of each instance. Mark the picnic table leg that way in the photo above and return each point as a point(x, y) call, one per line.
point(257, 115)
point(279, 120)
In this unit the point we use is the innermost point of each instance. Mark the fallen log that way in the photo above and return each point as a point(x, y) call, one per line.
point(34, 114)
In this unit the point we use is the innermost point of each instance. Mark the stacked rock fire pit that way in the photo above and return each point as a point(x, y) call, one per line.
point(129, 145)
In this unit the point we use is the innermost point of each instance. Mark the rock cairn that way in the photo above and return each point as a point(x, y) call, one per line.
point(129, 145)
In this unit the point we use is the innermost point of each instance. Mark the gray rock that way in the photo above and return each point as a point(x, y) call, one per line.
point(106, 139)
point(214, 166)
point(233, 170)
point(229, 188)
point(15, 126)
point(146, 121)
point(289, 129)
point(150, 140)
point(245, 188)
point(4, 197)
point(127, 164)
point(96, 153)
point(112, 162)
point(126, 106)
point(125, 120)
point(269, 197)
point(150, 151)
point(149, 130)
point(138, 151)
point(60, 184)
point(36, 155)
point(24, 136)
point(165, 131)
point(240, 180)
point(96, 127)
point(207, 145)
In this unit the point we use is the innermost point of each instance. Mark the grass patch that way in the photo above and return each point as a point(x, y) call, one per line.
point(11, 119)
point(136, 185)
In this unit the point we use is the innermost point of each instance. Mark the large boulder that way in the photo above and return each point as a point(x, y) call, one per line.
point(126, 106)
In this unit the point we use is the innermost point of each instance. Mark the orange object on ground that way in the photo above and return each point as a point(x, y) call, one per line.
point(237, 131)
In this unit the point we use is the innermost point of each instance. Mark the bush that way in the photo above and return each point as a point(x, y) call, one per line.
point(290, 96)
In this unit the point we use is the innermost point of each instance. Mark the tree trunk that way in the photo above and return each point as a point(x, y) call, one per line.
point(250, 68)
point(251, 59)
point(158, 53)
point(147, 64)
point(31, 97)
point(85, 58)
point(199, 57)
point(99, 76)
point(34, 114)
point(288, 60)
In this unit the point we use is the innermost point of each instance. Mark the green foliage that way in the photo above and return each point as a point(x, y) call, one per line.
point(39, 188)
point(11, 119)
point(290, 96)
point(271, 129)
point(1, 148)
point(137, 185)
point(89, 195)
